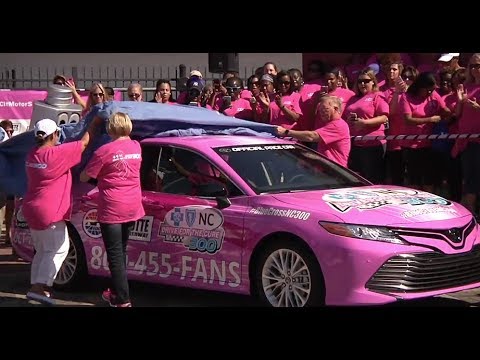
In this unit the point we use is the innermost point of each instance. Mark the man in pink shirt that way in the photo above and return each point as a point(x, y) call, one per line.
point(48, 201)
point(331, 131)
point(116, 166)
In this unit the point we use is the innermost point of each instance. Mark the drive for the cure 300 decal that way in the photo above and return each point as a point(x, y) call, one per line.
point(198, 228)
point(344, 200)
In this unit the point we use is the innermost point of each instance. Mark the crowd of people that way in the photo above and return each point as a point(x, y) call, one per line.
point(325, 108)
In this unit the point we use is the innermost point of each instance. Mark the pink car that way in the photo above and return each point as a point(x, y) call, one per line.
point(273, 219)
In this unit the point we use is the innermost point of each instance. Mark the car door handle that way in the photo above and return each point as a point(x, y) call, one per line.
point(153, 203)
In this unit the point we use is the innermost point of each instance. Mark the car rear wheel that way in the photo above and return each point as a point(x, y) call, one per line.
point(288, 275)
point(74, 268)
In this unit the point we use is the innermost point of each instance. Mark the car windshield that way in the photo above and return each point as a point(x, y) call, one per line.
point(286, 168)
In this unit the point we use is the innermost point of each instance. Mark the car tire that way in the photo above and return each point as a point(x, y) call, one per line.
point(74, 267)
point(278, 280)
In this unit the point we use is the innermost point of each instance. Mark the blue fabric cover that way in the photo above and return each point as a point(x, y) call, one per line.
point(149, 120)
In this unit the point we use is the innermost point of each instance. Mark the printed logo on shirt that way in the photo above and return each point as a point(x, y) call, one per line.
point(369, 99)
point(120, 156)
point(36, 165)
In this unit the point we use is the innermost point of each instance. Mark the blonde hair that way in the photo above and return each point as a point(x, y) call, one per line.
point(119, 124)
point(90, 101)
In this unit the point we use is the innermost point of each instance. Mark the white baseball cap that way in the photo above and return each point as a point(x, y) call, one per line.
point(196, 73)
point(448, 57)
point(47, 126)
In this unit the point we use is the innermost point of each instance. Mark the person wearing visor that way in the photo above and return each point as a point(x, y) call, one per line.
point(233, 104)
point(48, 202)
point(449, 62)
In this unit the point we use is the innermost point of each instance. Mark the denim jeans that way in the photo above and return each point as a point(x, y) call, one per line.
point(115, 237)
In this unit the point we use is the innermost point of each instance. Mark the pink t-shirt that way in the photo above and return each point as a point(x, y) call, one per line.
point(49, 191)
point(420, 108)
point(396, 121)
point(469, 120)
point(240, 109)
point(246, 94)
point(278, 117)
point(116, 165)
point(451, 103)
point(343, 94)
point(306, 121)
point(336, 140)
point(367, 106)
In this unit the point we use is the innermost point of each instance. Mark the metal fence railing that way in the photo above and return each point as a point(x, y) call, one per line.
point(36, 77)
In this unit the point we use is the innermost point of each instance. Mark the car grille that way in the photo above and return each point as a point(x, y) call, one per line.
point(427, 272)
point(454, 236)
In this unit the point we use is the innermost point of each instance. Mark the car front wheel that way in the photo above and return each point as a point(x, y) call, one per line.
point(288, 275)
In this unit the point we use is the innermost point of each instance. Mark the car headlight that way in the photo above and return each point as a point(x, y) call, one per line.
point(375, 233)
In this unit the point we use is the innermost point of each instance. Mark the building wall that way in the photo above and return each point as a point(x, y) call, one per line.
point(120, 66)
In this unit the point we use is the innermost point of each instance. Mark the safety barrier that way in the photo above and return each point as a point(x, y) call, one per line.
point(416, 137)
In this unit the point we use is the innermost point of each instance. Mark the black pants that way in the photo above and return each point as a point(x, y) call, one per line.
point(395, 166)
point(368, 161)
point(115, 237)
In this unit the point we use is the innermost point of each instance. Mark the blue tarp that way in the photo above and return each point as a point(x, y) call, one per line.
point(149, 120)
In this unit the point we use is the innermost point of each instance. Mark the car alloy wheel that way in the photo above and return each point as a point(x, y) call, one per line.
point(286, 279)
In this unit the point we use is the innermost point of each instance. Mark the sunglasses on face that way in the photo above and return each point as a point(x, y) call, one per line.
point(133, 96)
point(97, 94)
point(474, 66)
point(194, 92)
point(286, 82)
point(232, 88)
point(364, 81)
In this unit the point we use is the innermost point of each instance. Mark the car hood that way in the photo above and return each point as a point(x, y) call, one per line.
point(379, 205)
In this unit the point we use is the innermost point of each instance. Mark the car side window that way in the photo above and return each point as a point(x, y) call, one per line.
point(188, 173)
point(150, 178)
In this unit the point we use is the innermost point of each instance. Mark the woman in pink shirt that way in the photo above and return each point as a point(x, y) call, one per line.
point(116, 166)
point(285, 109)
point(366, 114)
point(468, 113)
point(48, 201)
point(422, 107)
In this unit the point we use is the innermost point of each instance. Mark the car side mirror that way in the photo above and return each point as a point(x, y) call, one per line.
point(223, 202)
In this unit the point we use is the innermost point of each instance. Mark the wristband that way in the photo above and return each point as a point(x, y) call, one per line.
point(286, 132)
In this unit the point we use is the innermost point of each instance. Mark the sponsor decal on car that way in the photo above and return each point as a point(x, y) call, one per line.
point(198, 228)
point(256, 148)
point(142, 229)
point(151, 263)
point(289, 213)
point(344, 200)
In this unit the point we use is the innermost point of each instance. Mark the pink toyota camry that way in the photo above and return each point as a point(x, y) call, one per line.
point(273, 219)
